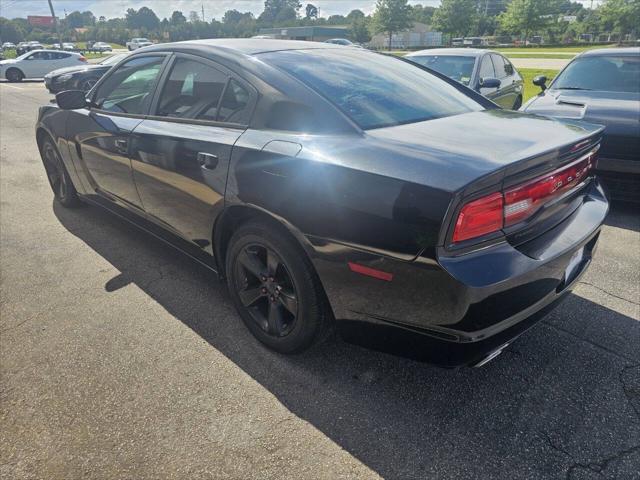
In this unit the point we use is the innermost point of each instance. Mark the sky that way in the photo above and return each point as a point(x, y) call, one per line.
point(164, 8)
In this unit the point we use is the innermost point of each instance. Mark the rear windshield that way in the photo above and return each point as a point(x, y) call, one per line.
point(610, 74)
point(457, 67)
point(373, 90)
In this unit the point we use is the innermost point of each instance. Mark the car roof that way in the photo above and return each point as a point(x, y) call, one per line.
point(241, 46)
point(52, 51)
point(465, 52)
point(603, 52)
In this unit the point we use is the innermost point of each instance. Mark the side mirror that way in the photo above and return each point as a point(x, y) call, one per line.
point(489, 82)
point(72, 99)
point(540, 81)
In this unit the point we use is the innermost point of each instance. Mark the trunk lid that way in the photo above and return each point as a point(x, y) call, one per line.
point(482, 153)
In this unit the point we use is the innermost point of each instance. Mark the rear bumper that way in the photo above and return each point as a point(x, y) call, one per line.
point(455, 310)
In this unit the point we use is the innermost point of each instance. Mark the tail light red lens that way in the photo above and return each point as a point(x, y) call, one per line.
point(491, 213)
point(82, 59)
point(479, 217)
point(524, 200)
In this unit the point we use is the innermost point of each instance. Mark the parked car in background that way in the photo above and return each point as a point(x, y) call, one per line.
point(101, 47)
point(21, 48)
point(38, 63)
point(342, 41)
point(136, 43)
point(8, 46)
point(35, 46)
point(70, 47)
point(484, 71)
point(602, 86)
point(80, 77)
point(414, 211)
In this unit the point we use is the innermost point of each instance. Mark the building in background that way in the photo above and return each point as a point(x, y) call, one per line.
point(419, 36)
point(313, 34)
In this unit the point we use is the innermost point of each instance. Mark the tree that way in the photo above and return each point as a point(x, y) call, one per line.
point(278, 11)
point(623, 16)
point(422, 14)
point(10, 32)
point(523, 17)
point(336, 20)
point(360, 30)
point(391, 16)
point(143, 18)
point(456, 17)
point(311, 11)
point(77, 20)
point(177, 18)
point(355, 14)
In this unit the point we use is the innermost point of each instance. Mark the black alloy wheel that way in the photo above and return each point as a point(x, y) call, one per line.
point(266, 289)
point(57, 175)
point(274, 287)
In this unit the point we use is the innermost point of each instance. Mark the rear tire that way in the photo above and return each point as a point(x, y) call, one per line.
point(274, 288)
point(59, 180)
point(14, 75)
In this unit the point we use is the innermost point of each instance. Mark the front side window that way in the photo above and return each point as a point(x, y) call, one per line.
point(458, 67)
point(394, 93)
point(610, 73)
point(486, 68)
point(130, 88)
point(193, 90)
point(41, 56)
point(500, 66)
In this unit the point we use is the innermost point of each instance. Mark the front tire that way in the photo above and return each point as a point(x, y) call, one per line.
point(59, 180)
point(14, 75)
point(274, 288)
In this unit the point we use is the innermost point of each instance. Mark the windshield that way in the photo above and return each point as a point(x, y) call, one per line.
point(610, 73)
point(394, 93)
point(113, 59)
point(459, 68)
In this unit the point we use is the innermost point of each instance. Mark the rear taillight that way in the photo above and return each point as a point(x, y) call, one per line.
point(524, 200)
point(82, 59)
point(491, 213)
point(479, 217)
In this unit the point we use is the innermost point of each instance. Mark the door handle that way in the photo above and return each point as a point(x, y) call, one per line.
point(122, 145)
point(207, 160)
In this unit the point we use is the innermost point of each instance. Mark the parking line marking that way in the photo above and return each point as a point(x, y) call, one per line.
point(12, 86)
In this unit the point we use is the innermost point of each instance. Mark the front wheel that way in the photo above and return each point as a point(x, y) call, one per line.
point(274, 288)
point(59, 179)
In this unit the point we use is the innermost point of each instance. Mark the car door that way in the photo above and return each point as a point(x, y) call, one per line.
point(100, 135)
point(36, 64)
point(180, 154)
point(508, 91)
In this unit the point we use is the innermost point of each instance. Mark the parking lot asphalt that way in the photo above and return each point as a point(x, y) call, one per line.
point(120, 358)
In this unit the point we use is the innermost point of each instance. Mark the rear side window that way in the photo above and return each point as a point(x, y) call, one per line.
point(192, 90)
point(130, 87)
point(60, 55)
point(235, 104)
point(373, 90)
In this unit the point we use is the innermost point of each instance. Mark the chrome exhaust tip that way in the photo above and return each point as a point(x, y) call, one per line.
point(490, 357)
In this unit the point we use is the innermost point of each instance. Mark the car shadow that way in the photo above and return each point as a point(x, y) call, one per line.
point(624, 215)
point(562, 398)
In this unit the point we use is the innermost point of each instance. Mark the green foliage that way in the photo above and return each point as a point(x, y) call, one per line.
point(456, 17)
point(311, 11)
point(621, 16)
point(391, 16)
point(360, 30)
point(523, 17)
point(422, 14)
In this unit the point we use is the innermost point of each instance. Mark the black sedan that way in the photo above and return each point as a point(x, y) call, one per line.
point(484, 71)
point(80, 78)
point(326, 183)
point(602, 86)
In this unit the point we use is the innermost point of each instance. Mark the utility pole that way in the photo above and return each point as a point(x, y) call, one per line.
point(203, 19)
point(55, 23)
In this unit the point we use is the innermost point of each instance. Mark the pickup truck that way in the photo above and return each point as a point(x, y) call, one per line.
point(136, 43)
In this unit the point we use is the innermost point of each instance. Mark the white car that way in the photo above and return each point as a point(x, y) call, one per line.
point(136, 43)
point(68, 46)
point(101, 47)
point(37, 63)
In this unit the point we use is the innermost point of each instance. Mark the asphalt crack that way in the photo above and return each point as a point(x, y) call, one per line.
point(599, 467)
point(631, 392)
point(609, 293)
